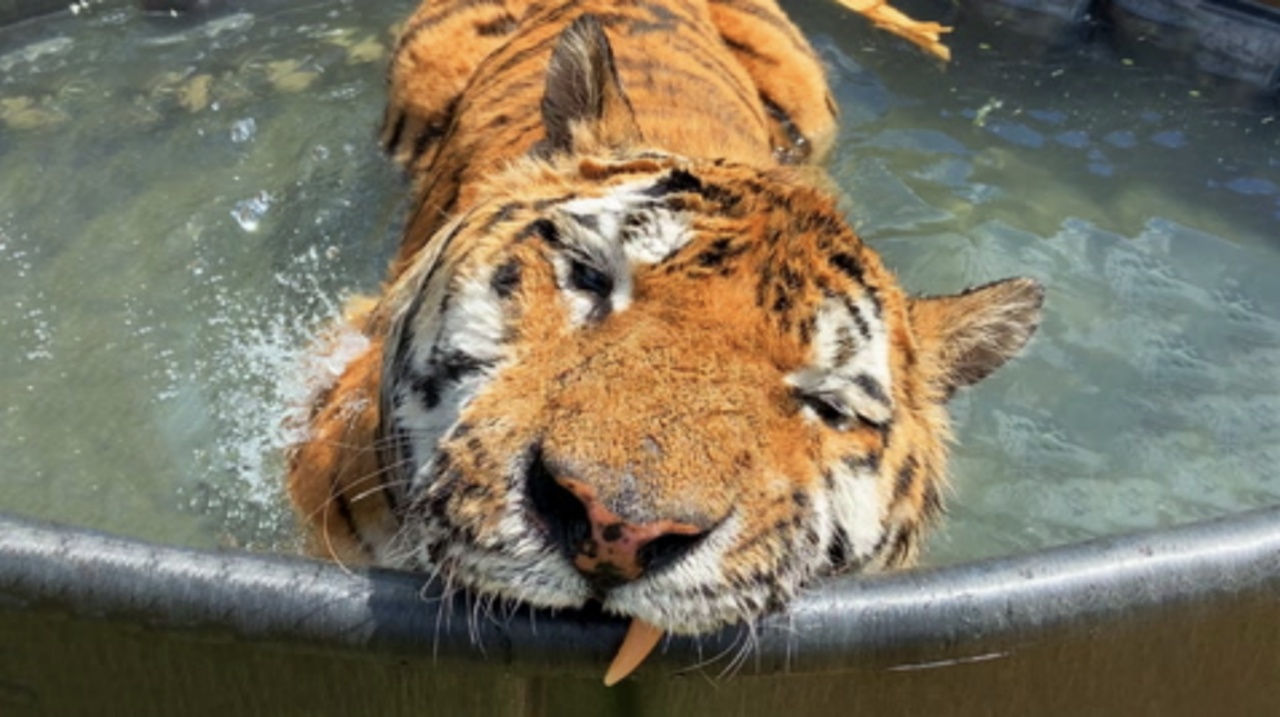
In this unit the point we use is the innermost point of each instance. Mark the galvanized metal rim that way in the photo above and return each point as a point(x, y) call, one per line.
point(954, 613)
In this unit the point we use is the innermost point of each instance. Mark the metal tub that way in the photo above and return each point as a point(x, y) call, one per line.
point(1177, 622)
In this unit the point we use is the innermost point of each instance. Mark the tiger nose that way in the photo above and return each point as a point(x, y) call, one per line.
point(604, 547)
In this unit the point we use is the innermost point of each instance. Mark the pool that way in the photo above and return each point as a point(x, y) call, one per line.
point(184, 201)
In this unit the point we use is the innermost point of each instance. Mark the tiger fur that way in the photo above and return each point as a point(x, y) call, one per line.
point(630, 351)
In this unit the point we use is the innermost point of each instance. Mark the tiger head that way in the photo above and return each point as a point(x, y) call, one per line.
point(682, 388)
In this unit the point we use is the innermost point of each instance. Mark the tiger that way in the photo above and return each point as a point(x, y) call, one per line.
point(630, 352)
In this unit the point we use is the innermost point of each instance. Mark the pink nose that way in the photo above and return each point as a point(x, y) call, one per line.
point(619, 551)
point(606, 548)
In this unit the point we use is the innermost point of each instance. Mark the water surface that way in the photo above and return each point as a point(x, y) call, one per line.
point(184, 204)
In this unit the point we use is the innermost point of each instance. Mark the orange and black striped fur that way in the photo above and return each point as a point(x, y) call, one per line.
point(629, 350)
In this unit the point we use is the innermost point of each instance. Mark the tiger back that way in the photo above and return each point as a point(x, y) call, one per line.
point(466, 88)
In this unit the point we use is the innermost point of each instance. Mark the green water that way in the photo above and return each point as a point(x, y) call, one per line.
point(182, 204)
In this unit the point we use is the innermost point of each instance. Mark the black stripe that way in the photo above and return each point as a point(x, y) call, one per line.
point(720, 251)
point(713, 63)
point(444, 15)
point(393, 493)
point(855, 313)
point(502, 25)
point(501, 72)
point(905, 480)
point(400, 358)
point(457, 364)
point(506, 278)
point(542, 204)
point(872, 388)
point(749, 51)
point(504, 213)
point(887, 533)
point(397, 129)
point(428, 388)
point(344, 512)
point(886, 434)
point(778, 22)
point(543, 46)
point(434, 129)
point(590, 222)
point(932, 502)
point(901, 548)
point(839, 552)
point(794, 135)
point(805, 329)
point(869, 462)
point(848, 265)
point(632, 26)
point(690, 83)
point(544, 229)
point(846, 347)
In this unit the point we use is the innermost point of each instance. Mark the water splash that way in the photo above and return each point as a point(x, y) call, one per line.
point(264, 361)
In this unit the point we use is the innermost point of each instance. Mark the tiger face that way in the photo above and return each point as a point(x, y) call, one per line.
point(679, 387)
point(684, 392)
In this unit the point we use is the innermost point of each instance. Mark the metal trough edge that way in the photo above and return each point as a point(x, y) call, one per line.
point(947, 614)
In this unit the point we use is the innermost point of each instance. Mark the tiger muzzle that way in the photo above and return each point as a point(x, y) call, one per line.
point(605, 547)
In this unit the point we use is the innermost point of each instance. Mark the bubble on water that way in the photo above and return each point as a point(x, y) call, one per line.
point(243, 130)
point(248, 213)
point(40, 333)
point(347, 92)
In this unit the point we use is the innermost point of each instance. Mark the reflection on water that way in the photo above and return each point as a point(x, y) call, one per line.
point(182, 206)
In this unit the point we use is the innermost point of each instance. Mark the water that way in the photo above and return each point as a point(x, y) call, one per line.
point(184, 204)
point(1145, 197)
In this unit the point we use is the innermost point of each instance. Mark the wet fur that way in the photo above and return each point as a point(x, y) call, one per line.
point(623, 267)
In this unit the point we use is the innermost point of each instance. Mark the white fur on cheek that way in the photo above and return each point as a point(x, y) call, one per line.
point(476, 321)
point(849, 369)
point(455, 347)
point(850, 359)
point(858, 509)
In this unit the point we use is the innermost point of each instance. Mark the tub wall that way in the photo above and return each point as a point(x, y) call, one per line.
point(1189, 661)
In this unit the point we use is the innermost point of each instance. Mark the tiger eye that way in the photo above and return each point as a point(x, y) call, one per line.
point(584, 277)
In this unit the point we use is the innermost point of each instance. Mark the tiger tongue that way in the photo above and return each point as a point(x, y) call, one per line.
point(640, 640)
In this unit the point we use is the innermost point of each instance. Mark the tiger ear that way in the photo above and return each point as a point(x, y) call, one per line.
point(964, 337)
point(584, 106)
